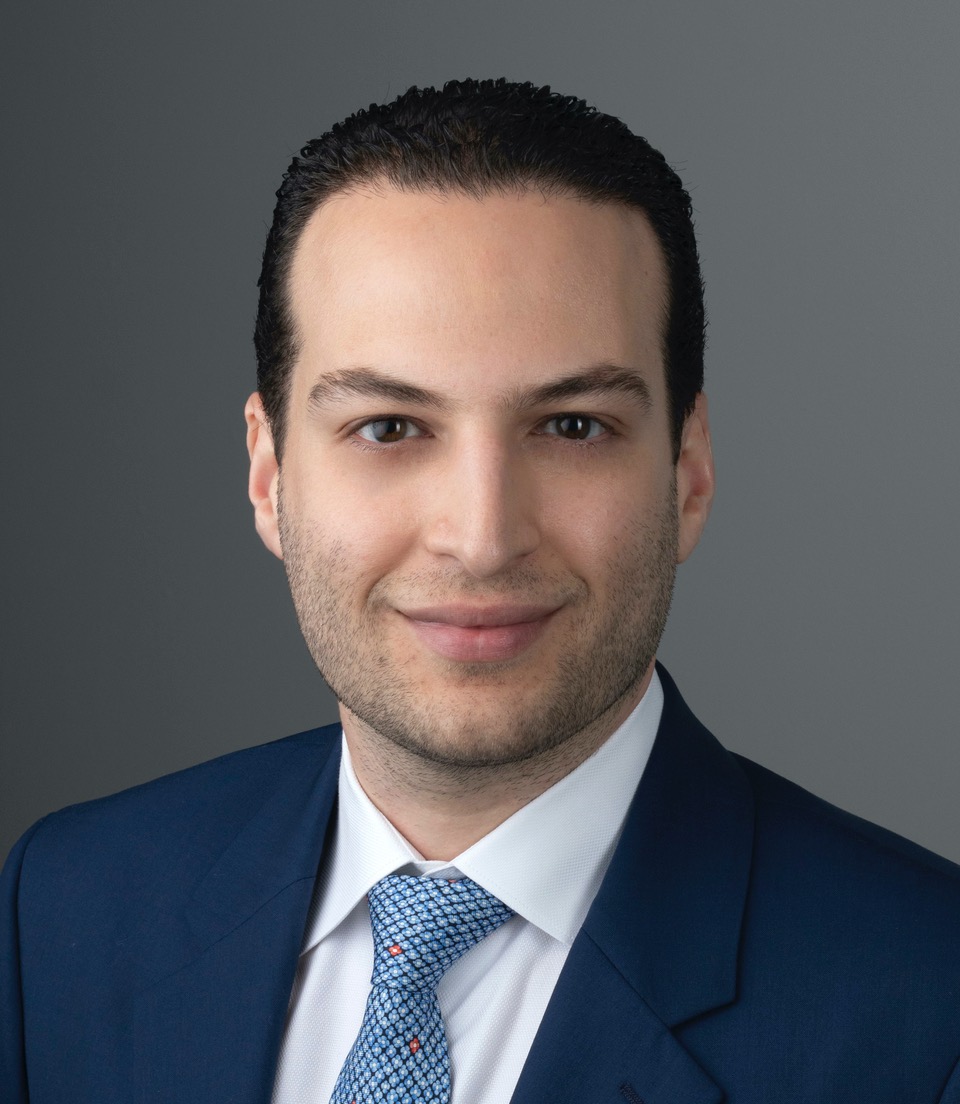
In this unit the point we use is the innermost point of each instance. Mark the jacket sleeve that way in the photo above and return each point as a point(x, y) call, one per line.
point(13, 1064)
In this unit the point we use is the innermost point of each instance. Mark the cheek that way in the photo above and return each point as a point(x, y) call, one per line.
point(361, 498)
point(370, 529)
point(600, 520)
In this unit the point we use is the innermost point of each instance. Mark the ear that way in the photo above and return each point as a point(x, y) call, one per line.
point(264, 474)
point(695, 478)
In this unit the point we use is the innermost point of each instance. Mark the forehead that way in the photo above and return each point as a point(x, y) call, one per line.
point(443, 284)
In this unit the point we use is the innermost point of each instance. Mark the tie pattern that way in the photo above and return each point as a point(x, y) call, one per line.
point(421, 926)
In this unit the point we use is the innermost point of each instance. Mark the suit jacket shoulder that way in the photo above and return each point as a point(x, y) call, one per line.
point(104, 901)
point(784, 802)
point(149, 837)
point(849, 901)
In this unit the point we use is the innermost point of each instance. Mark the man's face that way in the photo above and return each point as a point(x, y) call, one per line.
point(477, 505)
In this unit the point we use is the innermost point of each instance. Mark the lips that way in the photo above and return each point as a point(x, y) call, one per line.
point(490, 616)
point(472, 634)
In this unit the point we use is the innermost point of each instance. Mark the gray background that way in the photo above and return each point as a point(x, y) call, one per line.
point(145, 627)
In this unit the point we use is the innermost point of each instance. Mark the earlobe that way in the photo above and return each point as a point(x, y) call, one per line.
point(696, 480)
point(264, 474)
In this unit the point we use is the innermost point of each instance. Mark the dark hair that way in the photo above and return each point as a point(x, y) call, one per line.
point(476, 137)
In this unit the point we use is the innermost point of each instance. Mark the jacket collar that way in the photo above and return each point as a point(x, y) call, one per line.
point(660, 943)
point(673, 895)
point(669, 912)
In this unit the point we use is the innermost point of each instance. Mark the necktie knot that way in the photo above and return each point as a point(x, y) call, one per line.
point(421, 926)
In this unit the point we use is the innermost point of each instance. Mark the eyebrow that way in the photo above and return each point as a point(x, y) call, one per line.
point(600, 379)
point(368, 382)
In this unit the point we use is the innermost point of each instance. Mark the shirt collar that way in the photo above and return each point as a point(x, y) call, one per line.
point(546, 861)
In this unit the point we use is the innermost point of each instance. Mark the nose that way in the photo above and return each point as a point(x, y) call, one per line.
point(481, 508)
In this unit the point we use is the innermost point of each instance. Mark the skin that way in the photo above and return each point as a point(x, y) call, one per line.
point(475, 492)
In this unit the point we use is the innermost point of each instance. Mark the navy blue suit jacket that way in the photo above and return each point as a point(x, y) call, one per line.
point(749, 944)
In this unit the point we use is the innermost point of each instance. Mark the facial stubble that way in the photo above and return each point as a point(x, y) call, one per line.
point(611, 641)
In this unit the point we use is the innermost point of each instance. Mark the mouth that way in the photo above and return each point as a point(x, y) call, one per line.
point(479, 634)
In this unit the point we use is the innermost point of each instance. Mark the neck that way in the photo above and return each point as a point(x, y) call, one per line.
point(441, 809)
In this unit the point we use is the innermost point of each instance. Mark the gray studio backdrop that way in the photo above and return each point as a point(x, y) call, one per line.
point(145, 627)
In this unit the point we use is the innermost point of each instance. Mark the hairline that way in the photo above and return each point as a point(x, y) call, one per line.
point(379, 183)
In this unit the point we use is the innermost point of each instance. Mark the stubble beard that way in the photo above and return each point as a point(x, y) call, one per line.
point(608, 651)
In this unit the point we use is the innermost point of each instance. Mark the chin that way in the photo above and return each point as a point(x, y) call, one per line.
point(473, 730)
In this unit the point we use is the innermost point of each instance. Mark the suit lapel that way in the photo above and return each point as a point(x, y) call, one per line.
point(599, 1043)
point(660, 943)
point(658, 947)
point(208, 1026)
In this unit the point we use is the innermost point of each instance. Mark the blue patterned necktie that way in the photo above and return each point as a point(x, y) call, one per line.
point(421, 926)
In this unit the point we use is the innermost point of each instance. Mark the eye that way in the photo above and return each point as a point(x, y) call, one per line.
point(574, 427)
point(386, 431)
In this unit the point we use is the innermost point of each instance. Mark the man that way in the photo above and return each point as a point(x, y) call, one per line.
point(480, 447)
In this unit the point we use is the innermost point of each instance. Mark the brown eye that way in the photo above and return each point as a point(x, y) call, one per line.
point(387, 431)
point(575, 427)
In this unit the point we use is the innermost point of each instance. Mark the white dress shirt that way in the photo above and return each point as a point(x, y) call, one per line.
point(546, 862)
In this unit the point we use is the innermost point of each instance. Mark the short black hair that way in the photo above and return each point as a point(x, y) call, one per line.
point(475, 137)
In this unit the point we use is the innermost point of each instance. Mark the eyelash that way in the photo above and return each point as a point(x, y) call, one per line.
point(378, 446)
